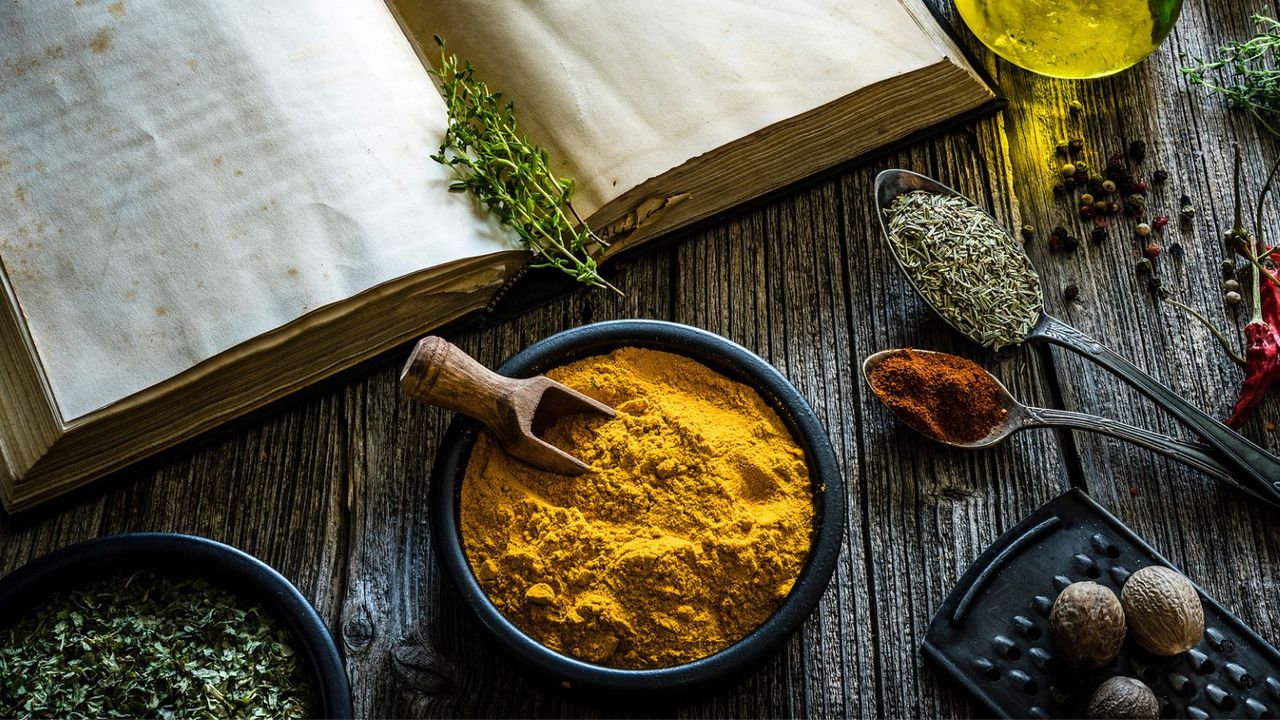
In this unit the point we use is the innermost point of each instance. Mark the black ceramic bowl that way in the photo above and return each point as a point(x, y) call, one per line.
point(735, 661)
point(237, 571)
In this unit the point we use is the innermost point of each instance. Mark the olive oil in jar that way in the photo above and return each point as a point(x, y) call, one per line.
point(1071, 38)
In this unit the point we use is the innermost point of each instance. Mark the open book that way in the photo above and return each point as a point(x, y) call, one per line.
point(207, 205)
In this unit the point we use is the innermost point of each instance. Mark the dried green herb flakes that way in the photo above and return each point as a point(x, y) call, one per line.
point(966, 266)
point(150, 646)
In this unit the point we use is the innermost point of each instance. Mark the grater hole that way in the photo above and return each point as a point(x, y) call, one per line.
point(1013, 653)
point(1112, 552)
point(1167, 710)
point(1093, 572)
point(992, 673)
point(1033, 633)
point(1150, 675)
point(1031, 687)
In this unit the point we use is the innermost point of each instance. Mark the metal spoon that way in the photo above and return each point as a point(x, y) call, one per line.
point(1255, 467)
point(1021, 417)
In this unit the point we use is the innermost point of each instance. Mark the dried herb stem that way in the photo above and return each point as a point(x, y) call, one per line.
point(1245, 73)
point(1217, 334)
point(511, 175)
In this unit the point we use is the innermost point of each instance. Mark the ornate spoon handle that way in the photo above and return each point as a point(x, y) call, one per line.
point(1197, 455)
point(1258, 470)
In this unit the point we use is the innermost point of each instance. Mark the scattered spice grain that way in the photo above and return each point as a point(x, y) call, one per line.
point(968, 267)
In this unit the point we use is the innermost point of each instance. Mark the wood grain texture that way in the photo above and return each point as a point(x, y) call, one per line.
point(332, 488)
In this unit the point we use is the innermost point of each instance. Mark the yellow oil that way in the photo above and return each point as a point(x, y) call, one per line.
point(1071, 38)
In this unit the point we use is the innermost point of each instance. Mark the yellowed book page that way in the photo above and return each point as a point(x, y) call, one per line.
point(177, 178)
point(622, 91)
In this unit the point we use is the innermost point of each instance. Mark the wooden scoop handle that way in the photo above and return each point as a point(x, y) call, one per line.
point(440, 373)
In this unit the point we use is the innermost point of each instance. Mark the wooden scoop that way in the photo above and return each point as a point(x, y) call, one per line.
point(440, 373)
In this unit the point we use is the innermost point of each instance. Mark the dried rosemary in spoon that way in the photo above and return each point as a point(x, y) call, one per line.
point(966, 266)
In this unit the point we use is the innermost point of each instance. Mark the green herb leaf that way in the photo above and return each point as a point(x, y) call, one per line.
point(1245, 73)
point(511, 175)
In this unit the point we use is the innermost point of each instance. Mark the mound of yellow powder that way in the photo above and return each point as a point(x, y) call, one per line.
point(689, 532)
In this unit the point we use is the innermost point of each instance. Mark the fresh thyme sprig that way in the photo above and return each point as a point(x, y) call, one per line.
point(511, 175)
point(1246, 73)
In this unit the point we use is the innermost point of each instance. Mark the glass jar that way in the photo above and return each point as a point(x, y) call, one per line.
point(1071, 38)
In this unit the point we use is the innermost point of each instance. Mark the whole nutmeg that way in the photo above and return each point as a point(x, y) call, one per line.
point(1087, 625)
point(1163, 609)
point(1124, 697)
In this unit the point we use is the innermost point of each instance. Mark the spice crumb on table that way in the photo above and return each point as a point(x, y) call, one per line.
point(689, 533)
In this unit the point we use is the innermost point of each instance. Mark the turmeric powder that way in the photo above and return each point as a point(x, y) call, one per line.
point(688, 533)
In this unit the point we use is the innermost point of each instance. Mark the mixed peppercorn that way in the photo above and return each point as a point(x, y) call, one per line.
point(1116, 200)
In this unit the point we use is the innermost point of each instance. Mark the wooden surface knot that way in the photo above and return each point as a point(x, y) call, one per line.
point(358, 629)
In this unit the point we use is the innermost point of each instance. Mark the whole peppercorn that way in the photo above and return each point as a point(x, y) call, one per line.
point(1075, 145)
point(1231, 286)
point(1086, 199)
point(1160, 222)
point(1082, 166)
point(1067, 170)
point(1140, 186)
point(1143, 229)
point(1152, 250)
point(1187, 213)
point(1138, 150)
point(1070, 293)
point(1108, 186)
point(1075, 107)
point(1100, 207)
point(1086, 212)
point(1155, 286)
point(1143, 266)
point(1113, 207)
point(1159, 177)
point(1070, 243)
point(1099, 235)
point(1028, 232)
point(1233, 298)
point(1176, 250)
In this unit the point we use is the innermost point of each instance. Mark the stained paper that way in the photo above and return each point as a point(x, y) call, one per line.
point(177, 178)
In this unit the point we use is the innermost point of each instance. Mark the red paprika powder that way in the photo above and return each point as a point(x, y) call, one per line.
point(947, 397)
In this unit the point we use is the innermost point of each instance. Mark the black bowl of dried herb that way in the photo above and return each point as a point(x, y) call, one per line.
point(162, 624)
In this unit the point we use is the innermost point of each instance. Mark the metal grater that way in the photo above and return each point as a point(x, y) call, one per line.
point(991, 634)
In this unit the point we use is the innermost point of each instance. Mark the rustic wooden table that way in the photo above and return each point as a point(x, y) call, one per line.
point(332, 489)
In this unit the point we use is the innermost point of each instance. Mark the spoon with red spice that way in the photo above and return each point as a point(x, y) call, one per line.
point(956, 402)
point(1252, 465)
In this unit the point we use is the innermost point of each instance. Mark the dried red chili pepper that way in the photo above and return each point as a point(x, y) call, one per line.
point(1262, 352)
